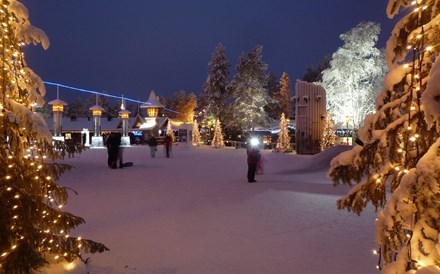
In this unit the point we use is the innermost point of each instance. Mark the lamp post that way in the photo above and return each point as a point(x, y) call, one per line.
point(57, 109)
point(97, 140)
point(124, 114)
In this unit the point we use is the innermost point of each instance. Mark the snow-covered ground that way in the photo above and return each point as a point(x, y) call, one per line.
point(196, 213)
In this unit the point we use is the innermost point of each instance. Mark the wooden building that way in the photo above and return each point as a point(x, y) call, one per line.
point(310, 113)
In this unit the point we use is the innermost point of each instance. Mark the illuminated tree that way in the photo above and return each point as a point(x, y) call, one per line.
point(329, 137)
point(283, 142)
point(214, 94)
point(283, 96)
point(401, 144)
point(183, 106)
point(251, 96)
point(170, 131)
point(355, 75)
point(217, 140)
point(195, 134)
point(34, 230)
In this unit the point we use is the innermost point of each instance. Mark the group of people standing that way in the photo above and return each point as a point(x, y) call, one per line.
point(116, 151)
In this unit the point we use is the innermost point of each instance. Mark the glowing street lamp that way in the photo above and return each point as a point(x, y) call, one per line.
point(58, 109)
point(97, 140)
point(124, 114)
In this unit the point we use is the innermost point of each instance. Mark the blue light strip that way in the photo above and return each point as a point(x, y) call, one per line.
point(90, 91)
point(100, 93)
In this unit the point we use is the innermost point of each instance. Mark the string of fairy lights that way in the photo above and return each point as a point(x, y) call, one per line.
point(45, 199)
point(409, 140)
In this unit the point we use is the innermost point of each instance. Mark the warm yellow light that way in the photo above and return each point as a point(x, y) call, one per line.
point(152, 112)
point(57, 107)
point(375, 252)
point(124, 115)
point(97, 112)
point(69, 266)
point(429, 48)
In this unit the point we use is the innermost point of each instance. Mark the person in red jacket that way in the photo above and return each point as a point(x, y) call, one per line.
point(168, 143)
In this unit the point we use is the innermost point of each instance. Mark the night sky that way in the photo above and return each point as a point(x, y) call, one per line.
point(133, 46)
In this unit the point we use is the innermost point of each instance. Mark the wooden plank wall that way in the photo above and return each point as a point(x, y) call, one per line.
point(310, 113)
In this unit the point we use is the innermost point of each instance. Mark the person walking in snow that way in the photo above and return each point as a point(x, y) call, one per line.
point(168, 144)
point(152, 142)
point(253, 156)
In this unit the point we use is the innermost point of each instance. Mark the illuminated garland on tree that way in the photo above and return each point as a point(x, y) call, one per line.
point(401, 147)
point(195, 134)
point(283, 142)
point(170, 131)
point(329, 137)
point(217, 141)
point(33, 227)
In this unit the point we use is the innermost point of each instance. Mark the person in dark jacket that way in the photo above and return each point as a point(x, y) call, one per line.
point(152, 142)
point(113, 143)
point(253, 157)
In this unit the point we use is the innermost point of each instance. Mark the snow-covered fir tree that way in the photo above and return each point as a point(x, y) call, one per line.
point(273, 88)
point(355, 75)
point(283, 142)
point(329, 138)
point(34, 229)
point(76, 109)
point(195, 134)
point(217, 140)
point(248, 88)
point(401, 147)
point(214, 94)
point(170, 131)
point(283, 96)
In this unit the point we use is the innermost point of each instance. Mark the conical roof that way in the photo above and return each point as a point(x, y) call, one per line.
point(153, 101)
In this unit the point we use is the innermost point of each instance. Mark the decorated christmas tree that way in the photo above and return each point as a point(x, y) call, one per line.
point(34, 229)
point(283, 142)
point(329, 137)
point(217, 141)
point(170, 132)
point(397, 169)
point(195, 134)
